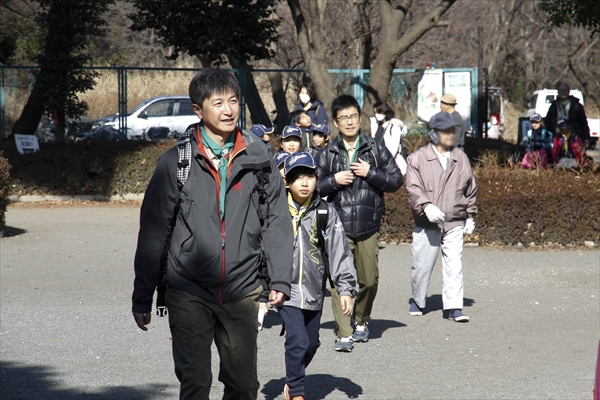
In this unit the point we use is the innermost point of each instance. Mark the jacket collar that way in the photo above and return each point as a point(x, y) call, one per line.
point(432, 155)
point(252, 151)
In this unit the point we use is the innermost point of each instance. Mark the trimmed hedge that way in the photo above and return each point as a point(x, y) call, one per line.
point(515, 206)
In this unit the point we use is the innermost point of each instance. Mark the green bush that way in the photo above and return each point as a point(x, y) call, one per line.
point(4, 187)
point(514, 205)
point(551, 208)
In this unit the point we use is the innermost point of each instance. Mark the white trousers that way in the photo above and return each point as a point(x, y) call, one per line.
point(425, 248)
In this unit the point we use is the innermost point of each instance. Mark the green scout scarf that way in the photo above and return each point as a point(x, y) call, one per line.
point(223, 154)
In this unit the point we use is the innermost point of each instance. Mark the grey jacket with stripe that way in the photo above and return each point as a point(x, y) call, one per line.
point(308, 276)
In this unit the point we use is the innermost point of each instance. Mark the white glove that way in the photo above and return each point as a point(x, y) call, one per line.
point(434, 214)
point(469, 226)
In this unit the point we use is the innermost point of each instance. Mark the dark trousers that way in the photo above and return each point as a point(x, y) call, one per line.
point(233, 326)
point(301, 344)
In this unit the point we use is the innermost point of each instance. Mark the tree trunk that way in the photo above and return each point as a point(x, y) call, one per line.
point(283, 113)
point(392, 46)
point(258, 114)
point(313, 52)
point(31, 115)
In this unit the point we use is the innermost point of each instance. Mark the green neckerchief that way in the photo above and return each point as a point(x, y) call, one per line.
point(223, 162)
point(344, 153)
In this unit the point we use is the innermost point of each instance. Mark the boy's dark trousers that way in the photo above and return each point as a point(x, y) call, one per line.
point(233, 326)
point(301, 344)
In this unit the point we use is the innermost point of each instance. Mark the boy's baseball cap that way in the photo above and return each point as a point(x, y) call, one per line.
point(290, 131)
point(280, 157)
point(301, 159)
point(536, 118)
point(320, 128)
point(260, 130)
point(442, 121)
point(562, 122)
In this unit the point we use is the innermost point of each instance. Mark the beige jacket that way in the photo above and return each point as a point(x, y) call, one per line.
point(452, 191)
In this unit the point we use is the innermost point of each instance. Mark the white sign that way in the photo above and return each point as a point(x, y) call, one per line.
point(27, 143)
point(459, 84)
point(430, 93)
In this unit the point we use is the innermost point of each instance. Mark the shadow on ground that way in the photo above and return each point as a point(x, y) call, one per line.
point(19, 381)
point(434, 303)
point(376, 326)
point(317, 386)
point(10, 231)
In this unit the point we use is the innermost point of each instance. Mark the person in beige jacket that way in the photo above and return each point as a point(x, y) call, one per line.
point(441, 193)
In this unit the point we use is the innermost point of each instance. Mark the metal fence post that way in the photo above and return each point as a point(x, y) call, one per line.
point(122, 84)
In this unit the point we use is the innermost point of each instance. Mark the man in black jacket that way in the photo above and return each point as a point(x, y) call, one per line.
point(215, 248)
point(569, 107)
point(354, 172)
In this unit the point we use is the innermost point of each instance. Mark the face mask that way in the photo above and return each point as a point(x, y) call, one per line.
point(304, 98)
point(379, 117)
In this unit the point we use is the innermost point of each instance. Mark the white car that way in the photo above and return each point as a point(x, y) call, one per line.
point(159, 117)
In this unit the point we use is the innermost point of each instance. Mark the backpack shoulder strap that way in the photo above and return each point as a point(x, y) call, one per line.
point(374, 148)
point(184, 158)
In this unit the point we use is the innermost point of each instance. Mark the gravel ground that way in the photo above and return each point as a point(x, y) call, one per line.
point(66, 331)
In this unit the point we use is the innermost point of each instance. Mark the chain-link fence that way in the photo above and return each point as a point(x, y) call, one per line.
point(119, 89)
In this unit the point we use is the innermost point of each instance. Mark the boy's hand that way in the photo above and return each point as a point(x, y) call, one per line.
point(346, 304)
point(277, 298)
point(360, 168)
point(344, 178)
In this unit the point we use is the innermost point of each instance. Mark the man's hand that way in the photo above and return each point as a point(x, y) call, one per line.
point(360, 168)
point(344, 178)
point(142, 320)
point(434, 214)
point(277, 298)
point(346, 302)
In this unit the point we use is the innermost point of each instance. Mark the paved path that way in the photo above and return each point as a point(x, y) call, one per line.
point(66, 331)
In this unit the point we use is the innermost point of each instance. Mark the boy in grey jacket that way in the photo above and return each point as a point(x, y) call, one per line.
point(302, 312)
point(441, 193)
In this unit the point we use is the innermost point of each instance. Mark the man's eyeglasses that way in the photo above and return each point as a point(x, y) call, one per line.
point(344, 119)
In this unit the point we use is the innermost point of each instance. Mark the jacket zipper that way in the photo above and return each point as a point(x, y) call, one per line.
point(223, 234)
point(301, 257)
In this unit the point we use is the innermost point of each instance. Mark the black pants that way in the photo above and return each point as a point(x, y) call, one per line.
point(233, 326)
point(301, 344)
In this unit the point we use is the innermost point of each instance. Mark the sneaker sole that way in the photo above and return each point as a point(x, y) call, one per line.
point(461, 319)
point(357, 340)
point(415, 313)
point(346, 350)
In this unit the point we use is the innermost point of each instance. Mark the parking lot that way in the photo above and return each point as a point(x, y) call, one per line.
point(66, 330)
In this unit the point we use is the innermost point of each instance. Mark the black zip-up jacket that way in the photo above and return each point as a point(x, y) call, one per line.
point(360, 205)
point(577, 119)
point(217, 260)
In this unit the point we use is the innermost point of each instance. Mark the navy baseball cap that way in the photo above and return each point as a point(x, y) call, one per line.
point(301, 159)
point(320, 128)
point(562, 122)
point(260, 130)
point(442, 121)
point(280, 157)
point(290, 131)
point(536, 118)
